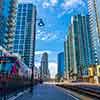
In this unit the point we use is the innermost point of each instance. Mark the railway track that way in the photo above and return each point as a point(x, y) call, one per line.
point(84, 90)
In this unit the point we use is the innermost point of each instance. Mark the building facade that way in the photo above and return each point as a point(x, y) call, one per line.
point(78, 45)
point(82, 44)
point(94, 33)
point(7, 22)
point(24, 38)
point(73, 50)
point(97, 11)
point(61, 65)
point(65, 59)
point(44, 66)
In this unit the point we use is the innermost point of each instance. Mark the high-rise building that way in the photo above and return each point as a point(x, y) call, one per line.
point(44, 66)
point(24, 38)
point(97, 11)
point(78, 45)
point(82, 43)
point(61, 65)
point(93, 10)
point(73, 54)
point(7, 22)
point(65, 59)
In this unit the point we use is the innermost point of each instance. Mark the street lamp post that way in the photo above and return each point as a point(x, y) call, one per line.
point(40, 24)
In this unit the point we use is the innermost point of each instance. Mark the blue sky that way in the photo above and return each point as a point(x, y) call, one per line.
point(56, 15)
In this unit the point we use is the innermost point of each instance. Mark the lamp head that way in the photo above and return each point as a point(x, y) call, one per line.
point(41, 23)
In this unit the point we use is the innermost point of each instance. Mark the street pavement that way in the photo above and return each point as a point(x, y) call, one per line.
point(47, 92)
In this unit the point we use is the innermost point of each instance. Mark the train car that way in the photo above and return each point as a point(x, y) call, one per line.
point(12, 66)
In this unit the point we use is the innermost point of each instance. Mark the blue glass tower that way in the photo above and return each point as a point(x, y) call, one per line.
point(61, 64)
point(79, 48)
point(24, 38)
point(82, 43)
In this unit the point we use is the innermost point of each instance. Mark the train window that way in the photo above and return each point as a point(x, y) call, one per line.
point(6, 64)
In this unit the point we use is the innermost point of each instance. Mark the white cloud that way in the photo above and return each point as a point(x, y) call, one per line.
point(46, 4)
point(24, 1)
point(53, 2)
point(70, 6)
point(37, 64)
point(46, 36)
point(41, 52)
point(61, 14)
point(53, 69)
point(49, 3)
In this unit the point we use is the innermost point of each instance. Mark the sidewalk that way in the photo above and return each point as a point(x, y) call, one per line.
point(73, 83)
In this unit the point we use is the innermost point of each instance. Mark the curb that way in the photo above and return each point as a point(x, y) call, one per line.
point(18, 95)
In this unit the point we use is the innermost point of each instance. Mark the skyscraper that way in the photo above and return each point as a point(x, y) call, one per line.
point(73, 54)
point(78, 46)
point(82, 43)
point(65, 59)
point(7, 22)
point(97, 11)
point(61, 65)
point(93, 9)
point(24, 39)
point(44, 66)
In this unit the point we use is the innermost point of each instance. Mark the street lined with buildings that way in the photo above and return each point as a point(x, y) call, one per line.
point(82, 47)
point(78, 63)
point(51, 92)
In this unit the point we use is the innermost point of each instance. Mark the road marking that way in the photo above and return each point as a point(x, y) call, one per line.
point(73, 96)
point(77, 96)
point(18, 95)
point(68, 93)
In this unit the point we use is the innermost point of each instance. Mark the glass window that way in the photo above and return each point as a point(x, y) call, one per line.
point(22, 41)
point(18, 27)
point(17, 37)
point(30, 6)
point(22, 27)
point(22, 32)
point(23, 17)
point(17, 32)
point(18, 22)
point(24, 6)
point(16, 41)
point(15, 50)
point(16, 46)
point(24, 9)
point(23, 22)
point(24, 14)
point(18, 14)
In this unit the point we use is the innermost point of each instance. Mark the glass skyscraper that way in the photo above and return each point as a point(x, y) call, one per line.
point(97, 10)
point(70, 57)
point(93, 10)
point(84, 43)
point(24, 38)
point(65, 59)
point(44, 72)
point(61, 64)
point(78, 46)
